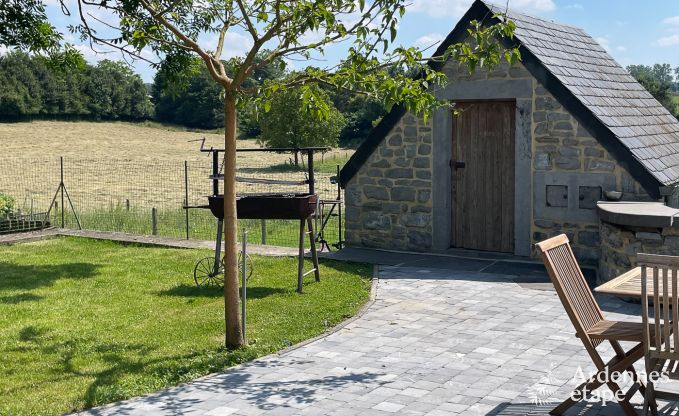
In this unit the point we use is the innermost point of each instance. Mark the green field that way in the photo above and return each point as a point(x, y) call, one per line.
point(84, 322)
point(202, 225)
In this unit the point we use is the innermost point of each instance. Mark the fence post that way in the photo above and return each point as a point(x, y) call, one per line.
point(61, 185)
point(154, 221)
point(186, 197)
point(244, 277)
point(263, 232)
point(127, 204)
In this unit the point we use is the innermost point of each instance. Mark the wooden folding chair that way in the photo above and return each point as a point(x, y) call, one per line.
point(591, 327)
point(661, 334)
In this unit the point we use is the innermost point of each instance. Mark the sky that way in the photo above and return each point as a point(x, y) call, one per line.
point(633, 31)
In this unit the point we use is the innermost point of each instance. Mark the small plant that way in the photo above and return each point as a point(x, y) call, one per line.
point(6, 204)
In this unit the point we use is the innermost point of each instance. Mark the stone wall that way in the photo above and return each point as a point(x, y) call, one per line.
point(620, 245)
point(565, 153)
point(389, 201)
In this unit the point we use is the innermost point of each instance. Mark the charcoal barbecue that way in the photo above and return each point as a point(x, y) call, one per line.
point(300, 206)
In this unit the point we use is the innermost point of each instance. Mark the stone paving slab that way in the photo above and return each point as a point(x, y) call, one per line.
point(434, 342)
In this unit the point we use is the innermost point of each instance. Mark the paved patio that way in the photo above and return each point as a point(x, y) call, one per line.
point(436, 341)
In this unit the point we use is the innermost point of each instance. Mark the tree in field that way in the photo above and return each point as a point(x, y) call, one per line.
point(657, 80)
point(289, 30)
point(284, 125)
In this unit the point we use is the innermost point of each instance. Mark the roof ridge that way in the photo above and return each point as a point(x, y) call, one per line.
point(502, 9)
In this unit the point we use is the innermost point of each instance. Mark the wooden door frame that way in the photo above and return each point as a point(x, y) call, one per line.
point(453, 171)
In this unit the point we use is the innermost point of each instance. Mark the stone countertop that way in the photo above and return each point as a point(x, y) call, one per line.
point(639, 214)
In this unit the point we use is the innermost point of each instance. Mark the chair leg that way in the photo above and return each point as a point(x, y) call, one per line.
point(627, 408)
point(593, 383)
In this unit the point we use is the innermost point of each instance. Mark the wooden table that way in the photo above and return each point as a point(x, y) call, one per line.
point(628, 284)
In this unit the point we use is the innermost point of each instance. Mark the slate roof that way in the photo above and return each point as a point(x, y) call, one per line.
point(631, 113)
point(632, 125)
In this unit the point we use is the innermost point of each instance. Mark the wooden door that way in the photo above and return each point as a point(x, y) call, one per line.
point(483, 176)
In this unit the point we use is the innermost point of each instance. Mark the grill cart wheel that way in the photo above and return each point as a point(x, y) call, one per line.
point(206, 274)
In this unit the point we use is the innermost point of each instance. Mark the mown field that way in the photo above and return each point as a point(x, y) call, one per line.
point(116, 172)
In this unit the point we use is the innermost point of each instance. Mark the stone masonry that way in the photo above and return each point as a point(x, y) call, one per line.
point(620, 245)
point(389, 201)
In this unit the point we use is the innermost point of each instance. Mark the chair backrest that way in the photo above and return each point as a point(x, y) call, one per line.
point(570, 284)
point(659, 275)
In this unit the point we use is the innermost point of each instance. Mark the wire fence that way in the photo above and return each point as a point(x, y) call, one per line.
point(148, 197)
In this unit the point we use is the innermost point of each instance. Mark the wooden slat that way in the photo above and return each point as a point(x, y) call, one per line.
point(483, 191)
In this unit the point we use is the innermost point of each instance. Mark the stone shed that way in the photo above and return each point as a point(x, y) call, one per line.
point(534, 148)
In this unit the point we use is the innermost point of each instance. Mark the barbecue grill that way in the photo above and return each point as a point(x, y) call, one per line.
point(268, 206)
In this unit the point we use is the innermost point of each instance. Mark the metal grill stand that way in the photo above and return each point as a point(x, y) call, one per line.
point(314, 255)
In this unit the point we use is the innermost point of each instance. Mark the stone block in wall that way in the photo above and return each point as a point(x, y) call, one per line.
point(594, 152)
point(567, 163)
point(598, 165)
point(419, 240)
point(352, 196)
point(546, 139)
point(402, 162)
point(589, 238)
point(646, 236)
point(543, 161)
point(423, 196)
point(386, 152)
point(416, 220)
point(395, 140)
point(422, 162)
point(424, 150)
point(381, 164)
point(411, 150)
point(410, 132)
point(376, 192)
point(563, 125)
point(374, 172)
point(366, 180)
point(546, 103)
point(423, 174)
point(396, 173)
point(402, 193)
point(541, 128)
point(376, 221)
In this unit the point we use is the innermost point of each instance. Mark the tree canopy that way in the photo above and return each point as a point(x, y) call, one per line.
point(285, 126)
point(32, 87)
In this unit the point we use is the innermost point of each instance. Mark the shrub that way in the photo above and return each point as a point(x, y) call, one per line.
point(6, 204)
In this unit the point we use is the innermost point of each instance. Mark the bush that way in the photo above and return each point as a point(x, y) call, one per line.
point(6, 204)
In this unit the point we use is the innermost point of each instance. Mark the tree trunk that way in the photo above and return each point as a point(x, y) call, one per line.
point(296, 159)
point(234, 332)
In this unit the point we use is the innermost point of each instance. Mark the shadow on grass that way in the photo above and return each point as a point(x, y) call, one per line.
point(21, 297)
point(19, 276)
point(255, 292)
point(278, 168)
point(110, 365)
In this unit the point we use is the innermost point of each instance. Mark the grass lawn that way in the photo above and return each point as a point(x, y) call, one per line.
point(85, 322)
